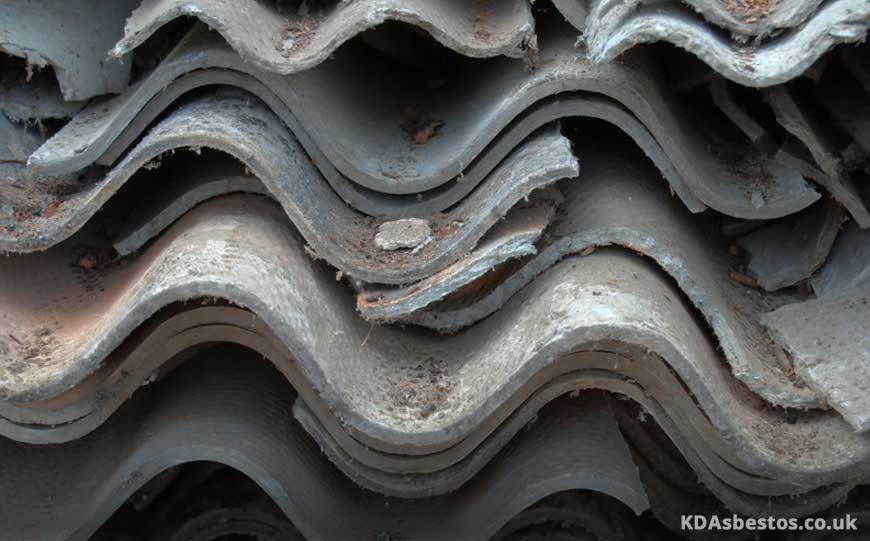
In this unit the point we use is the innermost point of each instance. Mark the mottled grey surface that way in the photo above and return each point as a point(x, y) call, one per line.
point(848, 266)
point(285, 40)
point(614, 27)
point(789, 251)
point(244, 128)
point(243, 419)
point(829, 343)
point(379, 169)
point(31, 29)
point(625, 204)
point(241, 249)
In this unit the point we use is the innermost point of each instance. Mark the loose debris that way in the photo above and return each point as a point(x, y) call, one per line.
point(408, 233)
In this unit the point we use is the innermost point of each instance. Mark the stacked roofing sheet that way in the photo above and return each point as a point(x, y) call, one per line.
point(405, 269)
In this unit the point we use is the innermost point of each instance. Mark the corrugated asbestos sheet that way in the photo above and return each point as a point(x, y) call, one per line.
point(428, 269)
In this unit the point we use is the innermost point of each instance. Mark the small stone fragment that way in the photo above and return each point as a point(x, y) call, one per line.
point(404, 233)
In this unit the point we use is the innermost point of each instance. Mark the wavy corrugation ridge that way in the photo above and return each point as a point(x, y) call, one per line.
point(246, 323)
point(612, 30)
point(751, 358)
point(243, 419)
point(737, 490)
point(83, 408)
point(244, 128)
point(501, 97)
point(741, 20)
point(65, 418)
point(283, 40)
point(242, 510)
point(746, 21)
point(624, 204)
point(131, 229)
point(242, 251)
point(443, 471)
point(78, 52)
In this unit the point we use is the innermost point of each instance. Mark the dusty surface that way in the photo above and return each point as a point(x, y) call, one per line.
point(829, 343)
point(288, 41)
point(611, 30)
point(349, 362)
point(241, 127)
point(626, 205)
point(378, 168)
point(515, 237)
point(244, 420)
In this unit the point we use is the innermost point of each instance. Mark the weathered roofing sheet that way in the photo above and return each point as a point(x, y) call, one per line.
point(236, 250)
point(77, 53)
point(244, 128)
point(243, 419)
point(829, 343)
point(551, 259)
point(286, 39)
point(614, 26)
point(382, 169)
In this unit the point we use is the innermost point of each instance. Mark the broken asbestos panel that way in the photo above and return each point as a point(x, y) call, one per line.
point(803, 128)
point(634, 375)
point(133, 226)
point(34, 97)
point(848, 266)
point(742, 20)
point(285, 40)
point(379, 169)
point(790, 251)
point(737, 114)
point(21, 199)
point(612, 28)
point(624, 204)
point(243, 419)
point(77, 52)
point(829, 343)
point(702, 445)
point(513, 238)
point(607, 297)
point(244, 128)
point(241, 250)
point(445, 482)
